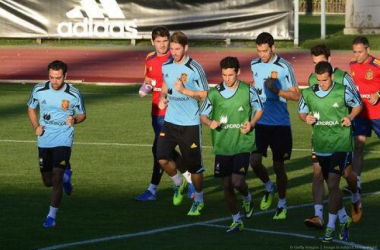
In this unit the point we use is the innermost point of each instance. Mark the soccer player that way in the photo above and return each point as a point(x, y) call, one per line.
point(275, 82)
point(182, 122)
point(329, 108)
point(153, 81)
point(61, 106)
point(228, 112)
point(365, 70)
point(321, 53)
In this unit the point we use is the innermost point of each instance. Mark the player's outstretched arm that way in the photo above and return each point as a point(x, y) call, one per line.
point(292, 94)
point(163, 103)
point(347, 121)
point(198, 95)
point(211, 123)
point(34, 121)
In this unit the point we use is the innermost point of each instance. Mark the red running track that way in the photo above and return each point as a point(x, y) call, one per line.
point(127, 66)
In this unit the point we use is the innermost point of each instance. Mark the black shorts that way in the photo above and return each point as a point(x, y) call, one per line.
point(335, 163)
point(58, 157)
point(278, 138)
point(226, 165)
point(188, 138)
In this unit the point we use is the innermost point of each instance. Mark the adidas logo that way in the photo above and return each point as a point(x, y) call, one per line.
point(336, 168)
point(335, 105)
point(92, 9)
point(193, 145)
point(242, 170)
point(43, 102)
point(240, 109)
point(104, 20)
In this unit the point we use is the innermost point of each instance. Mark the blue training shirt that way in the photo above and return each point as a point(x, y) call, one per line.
point(55, 107)
point(276, 112)
point(183, 110)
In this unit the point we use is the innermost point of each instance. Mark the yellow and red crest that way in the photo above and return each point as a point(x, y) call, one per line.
point(65, 104)
point(369, 74)
point(184, 78)
point(274, 75)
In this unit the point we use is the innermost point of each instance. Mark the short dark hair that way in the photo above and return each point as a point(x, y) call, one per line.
point(323, 67)
point(160, 31)
point(57, 65)
point(263, 38)
point(361, 39)
point(179, 37)
point(320, 49)
point(230, 62)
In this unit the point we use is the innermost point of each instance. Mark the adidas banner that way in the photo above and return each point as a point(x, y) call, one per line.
point(134, 19)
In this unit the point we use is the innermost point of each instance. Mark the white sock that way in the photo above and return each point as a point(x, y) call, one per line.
point(198, 196)
point(281, 203)
point(187, 176)
point(359, 181)
point(318, 210)
point(236, 217)
point(332, 220)
point(355, 197)
point(247, 198)
point(269, 186)
point(152, 188)
point(53, 212)
point(342, 215)
point(177, 179)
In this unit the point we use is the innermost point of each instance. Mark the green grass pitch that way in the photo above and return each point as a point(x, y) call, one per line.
point(112, 163)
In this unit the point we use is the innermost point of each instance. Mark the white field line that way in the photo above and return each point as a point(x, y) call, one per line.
point(139, 145)
point(353, 245)
point(210, 224)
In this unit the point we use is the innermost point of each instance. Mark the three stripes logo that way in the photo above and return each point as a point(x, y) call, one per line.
point(98, 18)
point(91, 9)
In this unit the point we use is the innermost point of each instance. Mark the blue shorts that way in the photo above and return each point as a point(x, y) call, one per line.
point(157, 122)
point(364, 126)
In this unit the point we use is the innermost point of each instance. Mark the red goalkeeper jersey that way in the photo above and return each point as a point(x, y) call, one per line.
point(153, 70)
point(367, 79)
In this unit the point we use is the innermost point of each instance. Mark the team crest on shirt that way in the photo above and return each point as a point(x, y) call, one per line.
point(274, 75)
point(65, 104)
point(369, 74)
point(150, 68)
point(183, 78)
